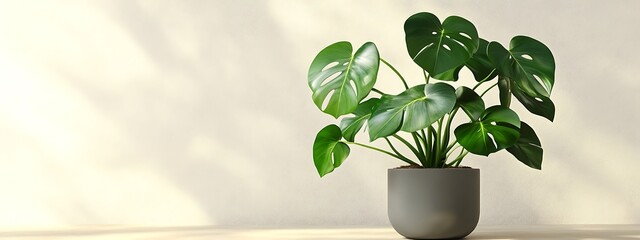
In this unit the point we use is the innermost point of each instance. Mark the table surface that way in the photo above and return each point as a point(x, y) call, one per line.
point(343, 233)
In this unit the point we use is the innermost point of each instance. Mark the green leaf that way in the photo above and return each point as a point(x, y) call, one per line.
point(527, 149)
point(414, 109)
point(498, 128)
point(470, 102)
point(480, 65)
point(540, 105)
point(519, 70)
point(328, 151)
point(450, 75)
point(437, 47)
point(351, 125)
point(528, 63)
point(343, 80)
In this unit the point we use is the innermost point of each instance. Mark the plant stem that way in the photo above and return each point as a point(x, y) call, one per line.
point(459, 159)
point(450, 146)
point(437, 143)
point(447, 128)
point(483, 80)
point(414, 150)
point(377, 91)
point(485, 91)
point(422, 158)
point(430, 135)
point(425, 145)
point(426, 78)
point(383, 151)
point(396, 71)
point(395, 150)
point(452, 150)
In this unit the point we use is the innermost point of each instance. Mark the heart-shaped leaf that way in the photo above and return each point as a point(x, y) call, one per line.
point(497, 128)
point(470, 102)
point(527, 149)
point(414, 109)
point(526, 71)
point(437, 47)
point(351, 125)
point(343, 78)
point(528, 63)
point(328, 151)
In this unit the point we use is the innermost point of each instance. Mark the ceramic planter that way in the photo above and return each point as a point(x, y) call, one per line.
point(434, 203)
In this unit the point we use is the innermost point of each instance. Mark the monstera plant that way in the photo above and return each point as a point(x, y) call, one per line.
point(420, 117)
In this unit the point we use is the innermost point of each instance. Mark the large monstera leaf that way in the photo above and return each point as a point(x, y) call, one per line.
point(438, 48)
point(527, 72)
point(496, 129)
point(527, 149)
point(414, 109)
point(351, 125)
point(343, 78)
point(328, 151)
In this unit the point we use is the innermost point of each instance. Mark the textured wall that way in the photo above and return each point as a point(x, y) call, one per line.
point(198, 112)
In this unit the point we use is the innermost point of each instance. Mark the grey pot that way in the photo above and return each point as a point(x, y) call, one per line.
point(434, 203)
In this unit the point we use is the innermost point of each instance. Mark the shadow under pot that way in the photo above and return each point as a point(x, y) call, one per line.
point(434, 203)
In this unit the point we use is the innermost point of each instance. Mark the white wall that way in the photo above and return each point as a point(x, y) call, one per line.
point(198, 112)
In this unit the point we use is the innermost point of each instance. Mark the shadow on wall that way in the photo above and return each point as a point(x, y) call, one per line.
point(200, 111)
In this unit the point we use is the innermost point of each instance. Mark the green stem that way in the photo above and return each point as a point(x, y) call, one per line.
point(425, 145)
point(397, 73)
point(393, 148)
point(450, 146)
point(483, 80)
point(383, 151)
point(485, 91)
point(459, 159)
point(377, 91)
point(447, 128)
point(452, 150)
point(414, 150)
point(432, 154)
point(437, 143)
point(422, 157)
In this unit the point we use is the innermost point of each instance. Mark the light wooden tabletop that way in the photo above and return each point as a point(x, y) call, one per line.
point(343, 233)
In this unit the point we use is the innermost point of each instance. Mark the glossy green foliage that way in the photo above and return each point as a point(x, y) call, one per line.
point(480, 65)
point(527, 72)
point(470, 102)
point(496, 129)
point(436, 47)
point(328, 151)
point(412, 110)
point(341, 82)
point(341, 79)
point(351, 125)
point(527, 149)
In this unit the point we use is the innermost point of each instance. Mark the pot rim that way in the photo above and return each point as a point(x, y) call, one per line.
point(435, 169)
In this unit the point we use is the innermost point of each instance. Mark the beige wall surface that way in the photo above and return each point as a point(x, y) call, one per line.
point(198, 112)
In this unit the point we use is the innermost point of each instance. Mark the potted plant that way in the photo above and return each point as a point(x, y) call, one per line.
point(433, 196)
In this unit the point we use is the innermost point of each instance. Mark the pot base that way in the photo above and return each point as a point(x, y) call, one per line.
point(433, 203)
